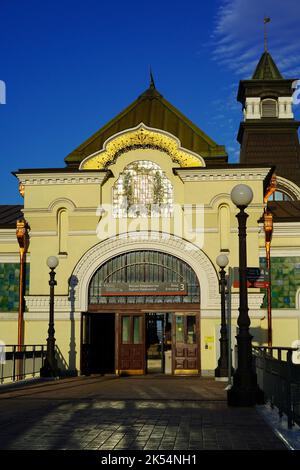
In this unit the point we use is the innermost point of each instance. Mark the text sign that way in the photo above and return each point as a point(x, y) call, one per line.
point(256, 277)
point(143, 288)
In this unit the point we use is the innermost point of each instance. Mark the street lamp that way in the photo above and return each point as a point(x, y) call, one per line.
point(50, 368)
point(245, 391)
point(222, 369)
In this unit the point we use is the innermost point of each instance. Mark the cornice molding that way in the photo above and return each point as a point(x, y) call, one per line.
point(222, 174)
point(8, 236)
point(40, 303)
point(83, 177)
point(282, 229)
point(35, 211)
point(12, 258)
point(8, 316)
point(286, 229)
point(278, 251)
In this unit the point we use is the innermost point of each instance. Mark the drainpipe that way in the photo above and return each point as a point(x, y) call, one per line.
point(23, 240)
point(268, 228)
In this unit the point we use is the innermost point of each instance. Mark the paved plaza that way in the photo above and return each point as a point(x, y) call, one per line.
point(147, 413)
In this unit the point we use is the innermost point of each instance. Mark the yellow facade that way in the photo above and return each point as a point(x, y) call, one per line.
point(202, 224)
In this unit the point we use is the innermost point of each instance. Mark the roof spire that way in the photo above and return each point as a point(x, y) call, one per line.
point(266, 20)
point(152, 84)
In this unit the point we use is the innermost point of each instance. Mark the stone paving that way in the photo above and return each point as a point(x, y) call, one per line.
point(149, 413)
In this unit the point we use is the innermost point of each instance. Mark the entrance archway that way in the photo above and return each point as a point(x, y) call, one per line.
point(159, 241)
point(147, 304)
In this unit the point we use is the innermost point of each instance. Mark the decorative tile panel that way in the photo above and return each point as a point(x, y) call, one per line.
point(9, 286)
point(285, 277)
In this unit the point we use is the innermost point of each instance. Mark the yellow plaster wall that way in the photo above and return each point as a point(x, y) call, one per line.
point(81, 202)
point(36, 332)
point(9, 331)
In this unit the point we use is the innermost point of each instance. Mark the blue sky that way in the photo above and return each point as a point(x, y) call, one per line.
point(69, 66)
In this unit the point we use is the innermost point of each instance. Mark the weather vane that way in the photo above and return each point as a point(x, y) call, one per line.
point(266, 20)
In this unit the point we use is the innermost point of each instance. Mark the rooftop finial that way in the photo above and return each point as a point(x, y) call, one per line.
point(152, 84)
point(266, 20)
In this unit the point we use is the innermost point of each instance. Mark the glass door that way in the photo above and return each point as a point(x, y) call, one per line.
point(186, 343)
point(131, 344)
point(155, 326)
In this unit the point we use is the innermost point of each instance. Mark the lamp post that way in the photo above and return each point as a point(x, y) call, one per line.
point(221, 372)
point(50, 368)
point(268, 228)
point(245, 391)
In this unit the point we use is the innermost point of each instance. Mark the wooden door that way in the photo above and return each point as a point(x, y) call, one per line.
point(85, 361)
point(186, 343)
point(132, 349)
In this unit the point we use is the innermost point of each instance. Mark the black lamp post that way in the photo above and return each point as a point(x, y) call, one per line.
point(245, 391)
point(50, 368)
point(221, 372)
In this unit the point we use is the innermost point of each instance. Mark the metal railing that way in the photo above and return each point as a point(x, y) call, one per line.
point(279, 378)
point(21, 364)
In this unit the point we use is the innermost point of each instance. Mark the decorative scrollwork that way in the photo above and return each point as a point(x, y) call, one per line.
point(141, 137)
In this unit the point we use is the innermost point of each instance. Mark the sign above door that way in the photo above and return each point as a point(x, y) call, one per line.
point(143, 288)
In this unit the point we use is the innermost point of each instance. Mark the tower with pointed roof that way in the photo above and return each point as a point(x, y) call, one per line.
point(269, 132)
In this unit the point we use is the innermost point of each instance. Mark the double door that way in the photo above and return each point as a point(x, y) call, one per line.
point(119, 343)
point(180, 339)
point(185, 344)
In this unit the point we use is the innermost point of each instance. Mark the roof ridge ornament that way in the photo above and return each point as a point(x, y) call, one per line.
point(266, 21)
point(152, 83)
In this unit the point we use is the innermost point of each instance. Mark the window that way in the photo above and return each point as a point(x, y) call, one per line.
point(185, 329)
point(125, 330)
point(137, 330)
point(131, 329)
point(279, 196)
point(179, 329)
point(191, 329)
point(269, 108)
point(62, 231)
point(224, 227)
point(142, 190)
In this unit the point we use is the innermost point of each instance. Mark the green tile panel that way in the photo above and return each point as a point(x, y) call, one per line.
point(285, 278)
point(9, 286)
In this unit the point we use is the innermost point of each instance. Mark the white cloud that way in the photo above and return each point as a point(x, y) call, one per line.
point(238, 35)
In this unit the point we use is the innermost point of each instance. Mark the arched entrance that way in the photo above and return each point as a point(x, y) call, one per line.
point(143, 316)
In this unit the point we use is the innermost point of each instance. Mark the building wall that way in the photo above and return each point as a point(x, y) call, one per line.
point(86, 199)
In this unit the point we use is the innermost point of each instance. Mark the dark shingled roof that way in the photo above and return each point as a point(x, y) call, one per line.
point(154, 111)
point(9, 214)
point(266, 69)
point(285, 211)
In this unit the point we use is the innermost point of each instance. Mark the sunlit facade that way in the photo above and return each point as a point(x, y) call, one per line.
point(136, 219)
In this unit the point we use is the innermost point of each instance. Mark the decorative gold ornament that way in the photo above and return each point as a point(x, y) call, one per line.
point(22, 189)
point(22, 234)
point(271, 188)
point(141, 137)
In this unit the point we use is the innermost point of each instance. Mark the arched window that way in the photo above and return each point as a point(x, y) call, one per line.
point(224, 227)
point(62, 221)
point(142, 190)
point(269, 108)
point(143, 267)
point(279, 196)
